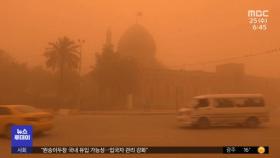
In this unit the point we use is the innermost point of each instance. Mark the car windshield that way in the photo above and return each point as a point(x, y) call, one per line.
point(26, 109)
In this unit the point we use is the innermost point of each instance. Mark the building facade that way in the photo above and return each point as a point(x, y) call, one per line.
point(162, 88)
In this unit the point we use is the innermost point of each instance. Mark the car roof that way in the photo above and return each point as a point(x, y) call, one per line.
point(229, 96)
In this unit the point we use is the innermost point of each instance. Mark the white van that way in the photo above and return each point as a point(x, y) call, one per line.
point(223, 110)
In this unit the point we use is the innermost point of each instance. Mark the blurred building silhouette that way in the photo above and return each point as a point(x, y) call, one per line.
point(163, 88)
point(231, 70)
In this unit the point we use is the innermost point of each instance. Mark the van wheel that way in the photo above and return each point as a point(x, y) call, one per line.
point(203, 123)
point(252, 122)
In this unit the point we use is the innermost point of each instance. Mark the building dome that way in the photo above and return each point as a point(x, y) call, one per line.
point(138, 43)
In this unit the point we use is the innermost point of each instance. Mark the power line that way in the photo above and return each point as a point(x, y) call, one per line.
point(231, 58)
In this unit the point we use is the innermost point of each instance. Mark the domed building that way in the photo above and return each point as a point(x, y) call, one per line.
point(157, 87)
point(138, 44)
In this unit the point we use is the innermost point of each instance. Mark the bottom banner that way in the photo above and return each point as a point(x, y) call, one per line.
point(140, 150)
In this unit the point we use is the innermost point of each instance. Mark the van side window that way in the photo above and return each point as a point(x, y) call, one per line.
point(202, 103)
point(239, 102)
point(4, 111)
point(224, 103)
point(254, 102)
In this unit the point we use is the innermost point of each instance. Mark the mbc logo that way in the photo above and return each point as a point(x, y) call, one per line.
point(257, 13)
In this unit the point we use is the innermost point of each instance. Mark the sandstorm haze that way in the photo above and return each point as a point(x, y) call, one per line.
point(133, 73)
point(185, 32)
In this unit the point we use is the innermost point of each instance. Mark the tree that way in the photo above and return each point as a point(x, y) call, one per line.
point(62, 56)
point(13, 81)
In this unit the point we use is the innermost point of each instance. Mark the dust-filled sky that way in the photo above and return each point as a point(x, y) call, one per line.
point(186, 31)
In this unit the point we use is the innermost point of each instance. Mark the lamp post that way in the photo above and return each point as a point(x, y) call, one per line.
point(80, 42)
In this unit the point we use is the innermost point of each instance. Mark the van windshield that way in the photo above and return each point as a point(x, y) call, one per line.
point(199, 103)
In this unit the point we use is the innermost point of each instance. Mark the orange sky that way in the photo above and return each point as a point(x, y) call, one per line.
point(186, 31)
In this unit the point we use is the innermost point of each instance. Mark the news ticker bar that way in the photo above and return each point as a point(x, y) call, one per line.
point(140, 150)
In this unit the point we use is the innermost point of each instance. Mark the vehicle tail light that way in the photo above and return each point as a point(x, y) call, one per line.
point(31, 119)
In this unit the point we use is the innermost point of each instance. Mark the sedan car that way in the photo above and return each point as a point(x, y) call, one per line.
point(24, 115)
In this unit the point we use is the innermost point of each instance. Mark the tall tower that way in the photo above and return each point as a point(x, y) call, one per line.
point(108, 46)
point(108, 37)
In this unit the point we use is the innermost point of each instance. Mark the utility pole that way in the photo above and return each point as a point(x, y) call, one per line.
point(80, 42)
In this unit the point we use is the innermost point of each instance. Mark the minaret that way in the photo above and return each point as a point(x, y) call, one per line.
point(108, 46)
point(138, 15)
point(108, 37)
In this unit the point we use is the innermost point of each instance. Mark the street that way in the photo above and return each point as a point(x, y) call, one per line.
point(150, 130)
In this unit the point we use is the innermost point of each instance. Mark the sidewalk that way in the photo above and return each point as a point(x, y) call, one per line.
point(112, 112)
point(154, 112)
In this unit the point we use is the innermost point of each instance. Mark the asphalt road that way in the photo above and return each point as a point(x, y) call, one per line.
point(150, 130)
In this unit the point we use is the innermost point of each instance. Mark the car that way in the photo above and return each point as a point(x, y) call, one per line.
point(24, 115)
point(247, 110)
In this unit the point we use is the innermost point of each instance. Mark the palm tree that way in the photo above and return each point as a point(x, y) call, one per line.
point(62, 55)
